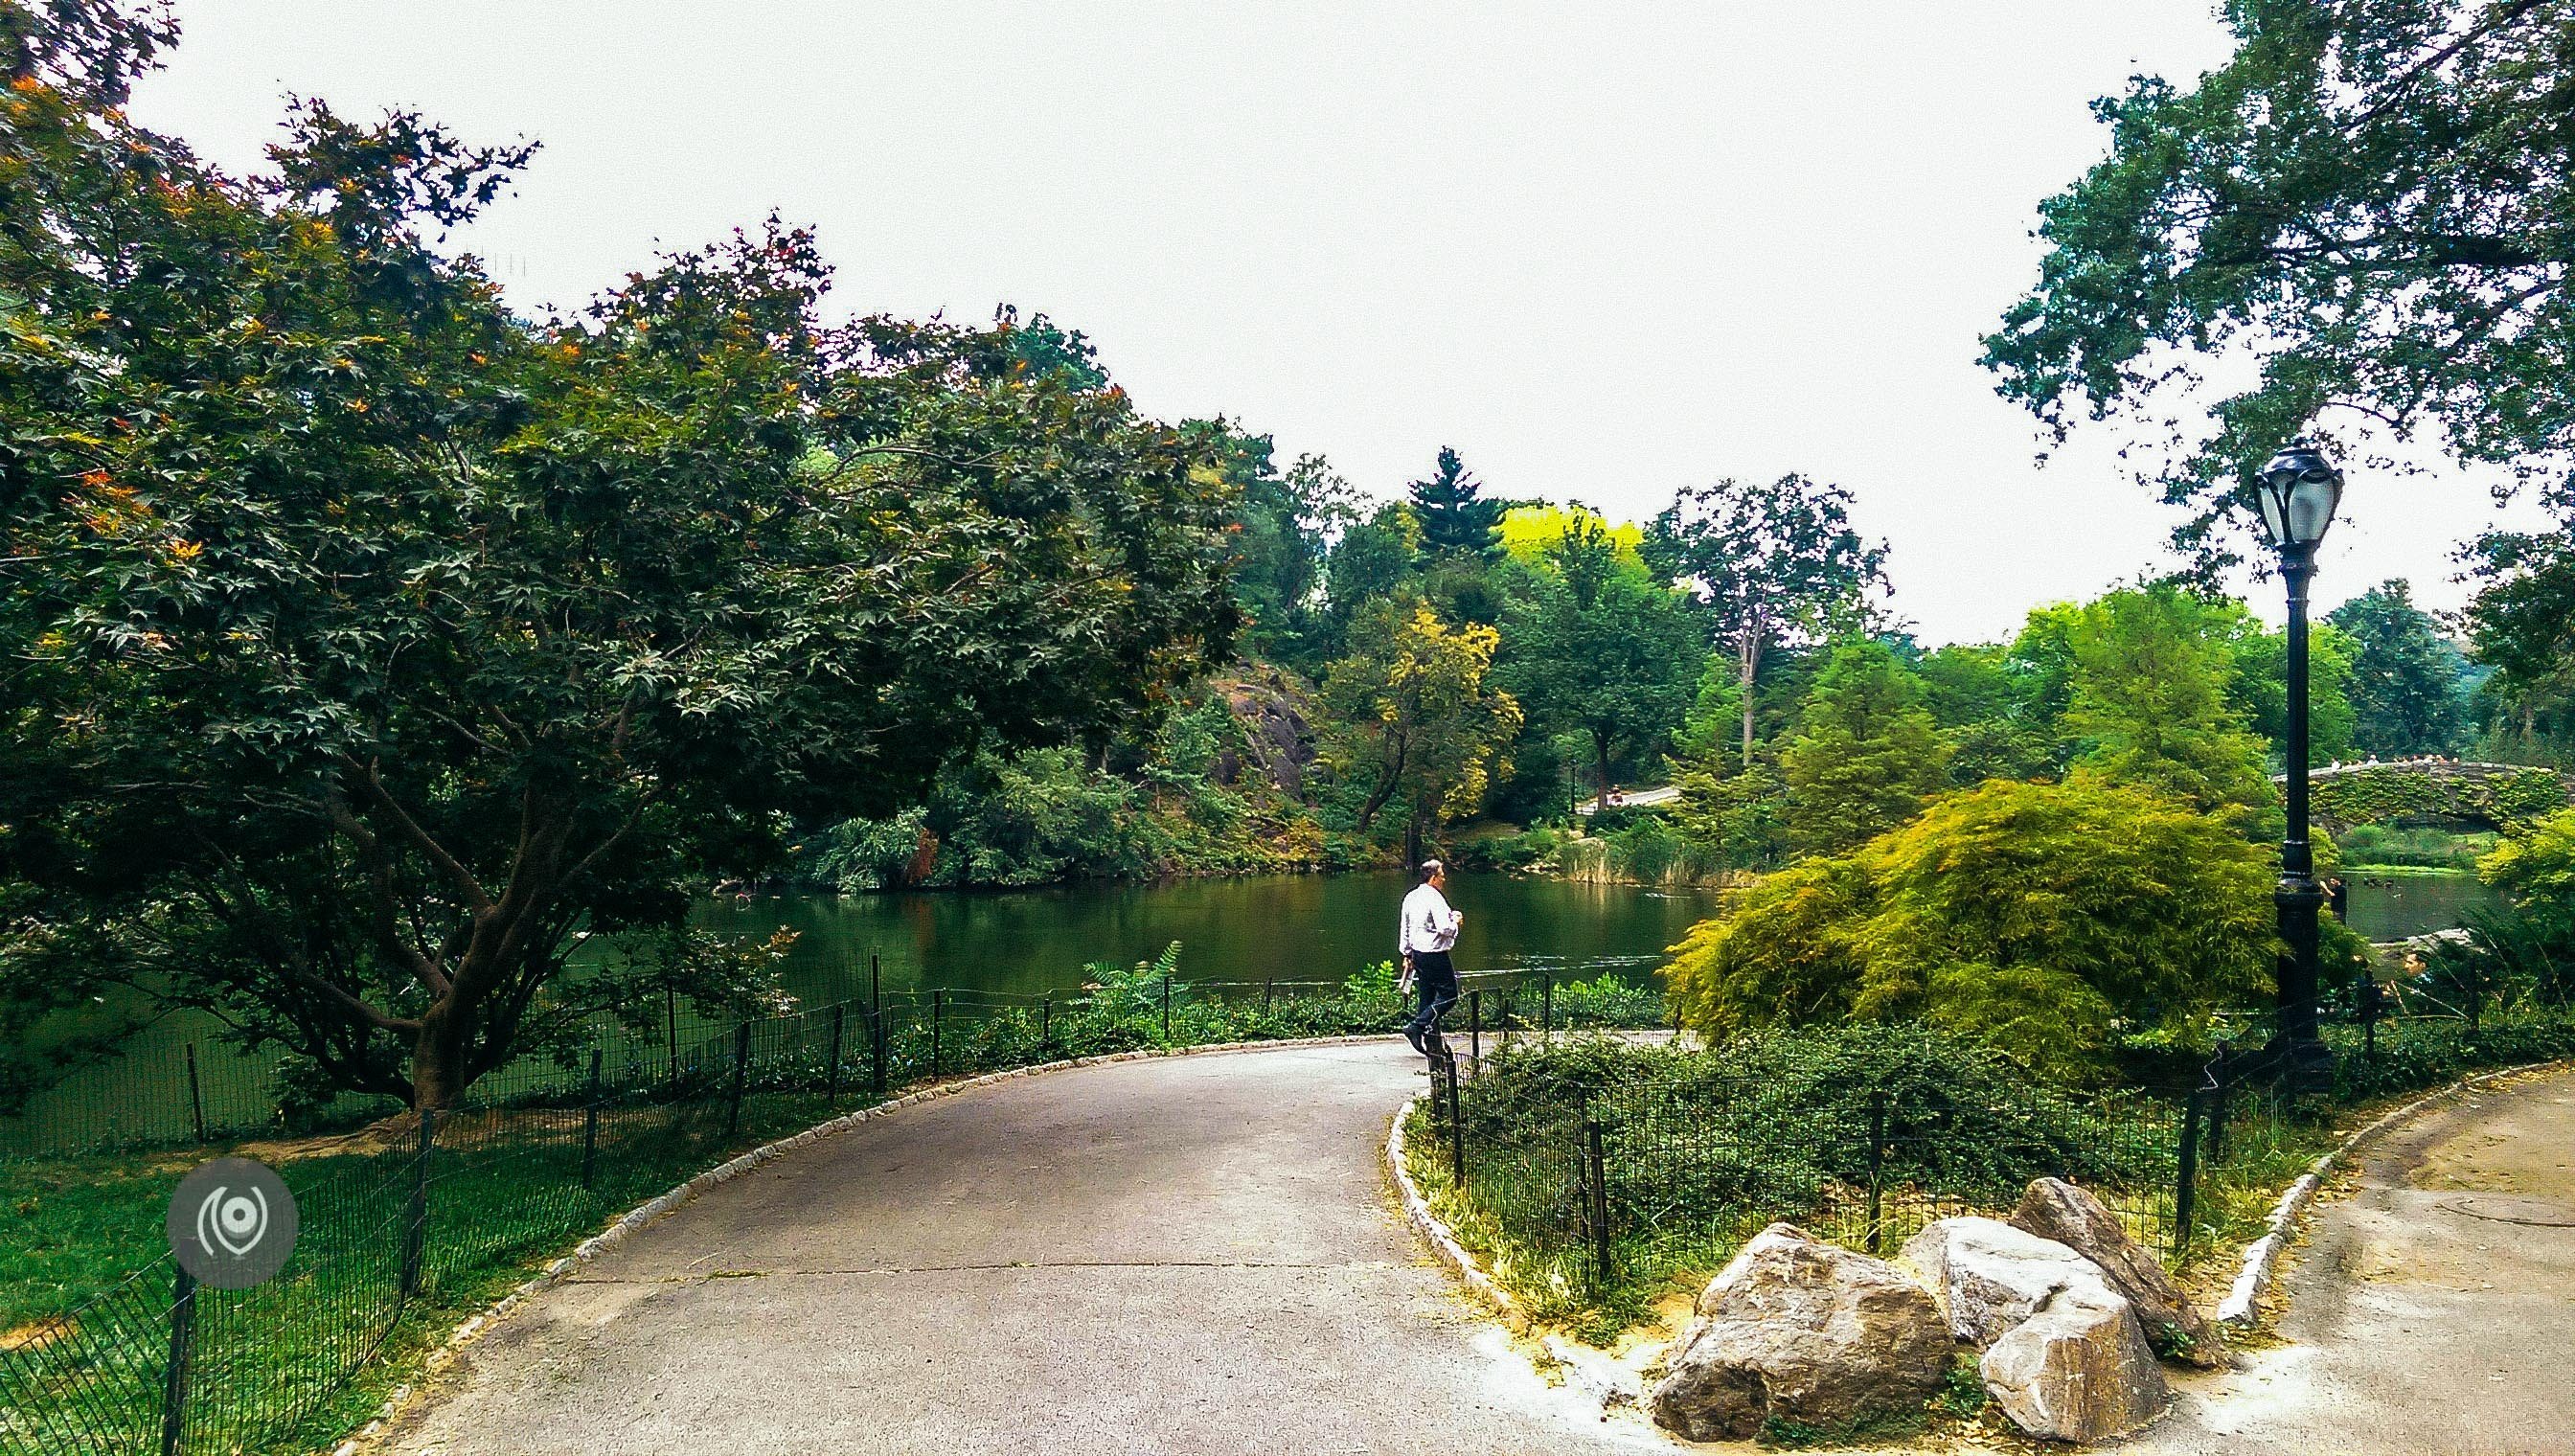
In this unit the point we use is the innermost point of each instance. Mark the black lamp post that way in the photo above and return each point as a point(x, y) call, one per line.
point(2298, 493)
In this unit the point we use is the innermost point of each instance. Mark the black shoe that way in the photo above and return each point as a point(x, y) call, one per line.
point(1414, 1035)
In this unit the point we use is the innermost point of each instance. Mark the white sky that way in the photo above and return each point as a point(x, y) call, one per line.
point(1604, 251)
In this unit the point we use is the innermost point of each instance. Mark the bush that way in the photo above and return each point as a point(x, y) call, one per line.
point(2044, 919)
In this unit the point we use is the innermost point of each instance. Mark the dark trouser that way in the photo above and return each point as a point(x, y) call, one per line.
point(1436, 980)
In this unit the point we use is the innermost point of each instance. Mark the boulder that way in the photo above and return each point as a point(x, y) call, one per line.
point(1798, 1330)
point(2055, 1209)
point(2076, 1370)
point(1989, 1276)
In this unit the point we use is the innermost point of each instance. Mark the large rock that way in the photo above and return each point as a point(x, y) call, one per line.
point(1989, 1276)
point(1799, 1330)
point(2076, 1370)
point(2055, 1209)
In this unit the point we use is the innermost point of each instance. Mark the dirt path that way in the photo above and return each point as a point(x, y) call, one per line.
point(2433, 1309)
point(1195, 1254)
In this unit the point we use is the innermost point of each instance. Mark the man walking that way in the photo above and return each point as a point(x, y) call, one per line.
point(1429, 928)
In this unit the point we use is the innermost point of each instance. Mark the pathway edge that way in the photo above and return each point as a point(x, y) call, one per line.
point(626, 1225)
point(2243, 1305)
point(1436, 1233)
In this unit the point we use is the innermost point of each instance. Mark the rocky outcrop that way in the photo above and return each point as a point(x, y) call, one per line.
point(1798, 1330)
point(2076, 1370)
point(2055, 1209)
point(1275, 735)
point(2066, 1356)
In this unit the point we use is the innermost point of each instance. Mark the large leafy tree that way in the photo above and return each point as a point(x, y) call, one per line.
point(1775, 563)
point(1866, 756)
point(2040, 918)
point(2369, 199)
point(2405, 676)
point(1417, 725)
point(370, 645)
point(1595, 645)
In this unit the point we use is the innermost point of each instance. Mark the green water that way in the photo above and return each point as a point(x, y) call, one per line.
point(2392, 904)
point(1283, 928)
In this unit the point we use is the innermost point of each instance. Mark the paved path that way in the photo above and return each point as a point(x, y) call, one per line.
point(1195, 1254)
point(2432, 1312)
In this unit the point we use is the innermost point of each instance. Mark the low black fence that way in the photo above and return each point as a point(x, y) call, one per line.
point(1581, 1185)
point(413, 1218)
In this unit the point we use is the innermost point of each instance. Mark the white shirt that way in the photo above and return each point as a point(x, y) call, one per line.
point(1427, 924)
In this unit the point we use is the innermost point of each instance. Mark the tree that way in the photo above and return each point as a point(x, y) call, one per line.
point(1457, 522)
point(2036, 917)
point(2369, 197)
point(1284, 524)
point(1775, 563)
point(2404, 677)
point(2149, 702)
point(1595, 646)
point(1418, 725)
point(1868, 754)
point(371, 645)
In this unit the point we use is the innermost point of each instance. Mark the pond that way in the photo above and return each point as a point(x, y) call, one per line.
point(2393, 905)
point(1284, 928)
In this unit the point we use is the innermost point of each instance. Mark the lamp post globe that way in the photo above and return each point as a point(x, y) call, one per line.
point(2298, 492)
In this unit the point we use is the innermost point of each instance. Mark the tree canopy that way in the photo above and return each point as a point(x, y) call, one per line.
point(1597, 647)
point(372, 645)
point(2405, 676)
point(1776, 561)
point(1868, 754)
point(2369, 197)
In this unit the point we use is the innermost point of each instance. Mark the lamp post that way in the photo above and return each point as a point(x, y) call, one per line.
point(2298, 493)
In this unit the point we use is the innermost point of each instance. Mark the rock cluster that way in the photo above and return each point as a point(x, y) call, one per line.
point(2066, 1311)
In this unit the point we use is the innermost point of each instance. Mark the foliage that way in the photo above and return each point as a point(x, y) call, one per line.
point(1284, 524)
point(2405, 676)
point(2366, 845)
point(1867, 757)
point(1595, 645)
point(2398, 794)
point(2366, 198)
point(1775, 563)
point(1133, 993)
point(1744, 815)
point(1416, 723)
point(373, 644)
point(2522, 625)
point(2148, 700)
point(2038, 918)
point(1457, 520)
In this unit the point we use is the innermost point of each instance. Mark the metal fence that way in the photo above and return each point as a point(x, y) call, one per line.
point(1649, 1175)
point(411, 1218)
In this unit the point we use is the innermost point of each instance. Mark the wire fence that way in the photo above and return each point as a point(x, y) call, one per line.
point(418, 1215)
point(1588, 1184)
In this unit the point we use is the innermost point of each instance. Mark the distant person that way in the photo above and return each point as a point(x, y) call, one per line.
point(1428, 929)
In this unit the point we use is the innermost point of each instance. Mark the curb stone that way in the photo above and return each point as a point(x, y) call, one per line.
point(1416, 1211)
point(625, 1226)
point(2242, 1306)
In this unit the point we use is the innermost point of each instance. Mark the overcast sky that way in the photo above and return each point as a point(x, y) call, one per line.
point(1602, 251)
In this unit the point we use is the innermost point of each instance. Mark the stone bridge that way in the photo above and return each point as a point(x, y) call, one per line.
point(2434, 792)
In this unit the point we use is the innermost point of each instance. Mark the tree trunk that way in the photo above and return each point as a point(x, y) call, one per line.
point(1601, 756)
point(438, 1071)
point(1748, 654)
point(1413, 843)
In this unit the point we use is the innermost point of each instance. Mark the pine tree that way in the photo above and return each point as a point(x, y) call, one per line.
point(1869, 755)
point(1457, 520)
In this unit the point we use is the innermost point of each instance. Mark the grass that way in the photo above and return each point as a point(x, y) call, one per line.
point(2380, 846)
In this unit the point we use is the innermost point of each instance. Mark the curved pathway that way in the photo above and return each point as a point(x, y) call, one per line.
point(2432, 1309)
point(1190, 1255)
